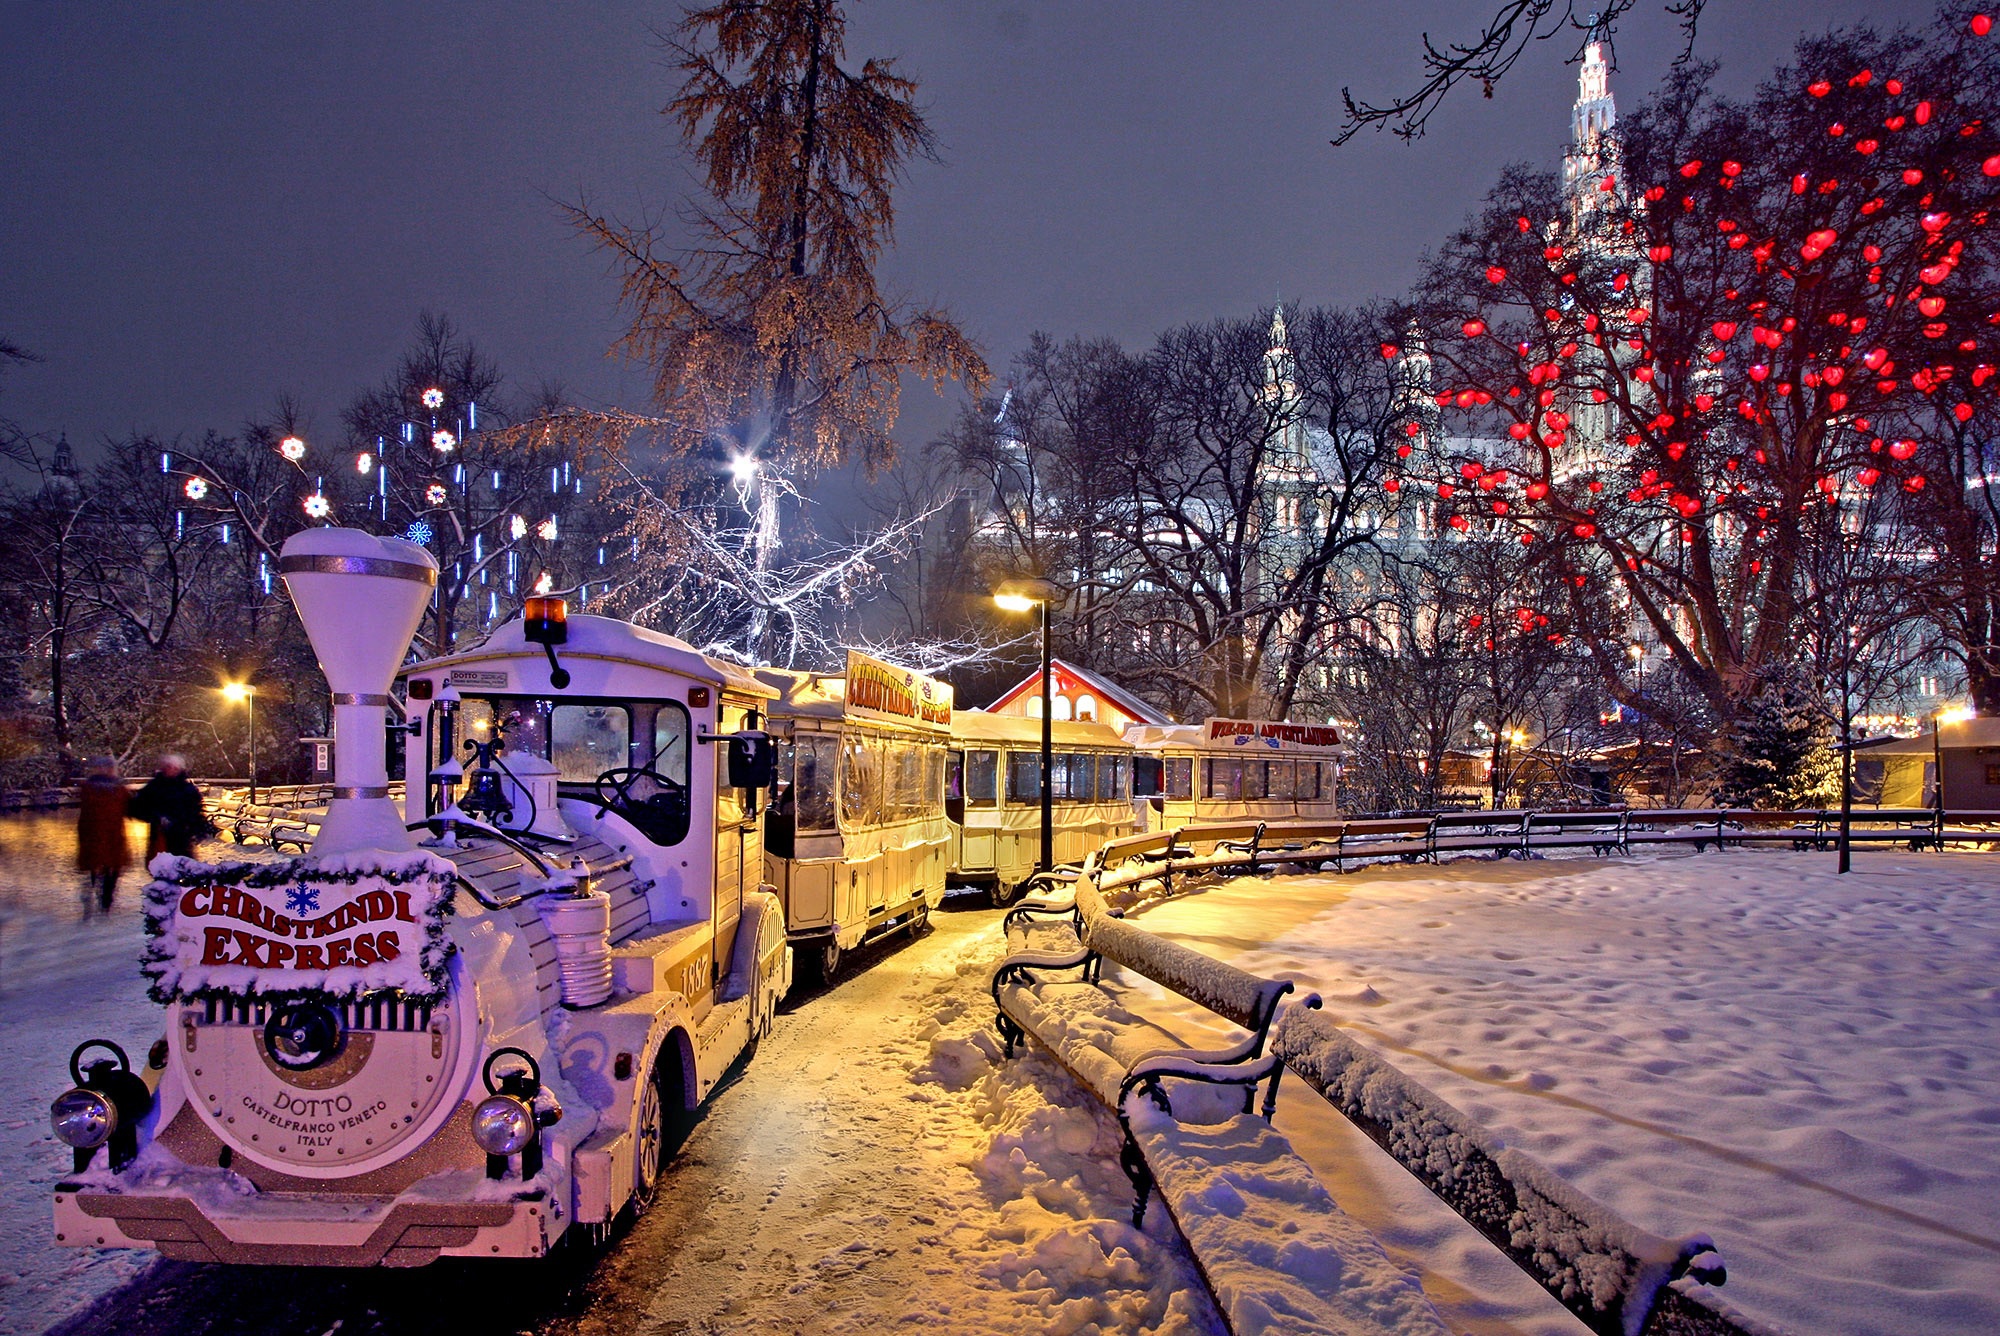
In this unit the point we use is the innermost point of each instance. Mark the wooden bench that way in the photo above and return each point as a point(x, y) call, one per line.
point(1700, 827)
point(1500, 832)
point(1407, 838)
point(1058, 999)
point(1231, 1182)
point(1800, 829)
point(1600, 830)
point(1300, 843)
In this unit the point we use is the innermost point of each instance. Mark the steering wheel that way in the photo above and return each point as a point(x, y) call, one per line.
point(615, 787)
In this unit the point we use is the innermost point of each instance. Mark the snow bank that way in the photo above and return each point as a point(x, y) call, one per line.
point(1798, 1063)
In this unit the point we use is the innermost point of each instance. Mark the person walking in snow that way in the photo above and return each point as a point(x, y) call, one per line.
point(102, 853)
point(172, 804)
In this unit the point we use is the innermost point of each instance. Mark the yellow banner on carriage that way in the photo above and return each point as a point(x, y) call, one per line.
point(878, 690)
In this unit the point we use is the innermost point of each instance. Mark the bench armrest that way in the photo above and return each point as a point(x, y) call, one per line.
point(1188, 1065)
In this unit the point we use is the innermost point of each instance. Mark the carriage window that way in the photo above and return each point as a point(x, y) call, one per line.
point(1308, 779)
point(1254, 783)
point(1114, 774)
point(587, 740)
point(1177, 777)
point(1225, 778)
point(1283, 781)
point(860, 783)
point(908, 764)
point(1075, 777)
point(935, 767)
point(1024, 777)
point(670, 742)
point(982, 779)
point(812, 785)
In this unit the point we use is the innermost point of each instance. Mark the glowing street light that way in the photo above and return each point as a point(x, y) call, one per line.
point(1027, 596)
point(245, 693)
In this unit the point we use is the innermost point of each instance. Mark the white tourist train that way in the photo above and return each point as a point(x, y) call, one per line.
point(466, 1028)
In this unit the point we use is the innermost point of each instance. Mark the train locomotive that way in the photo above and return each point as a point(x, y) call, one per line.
point(465, 1027)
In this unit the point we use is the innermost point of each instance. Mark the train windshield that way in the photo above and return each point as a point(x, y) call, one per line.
point(641, 745)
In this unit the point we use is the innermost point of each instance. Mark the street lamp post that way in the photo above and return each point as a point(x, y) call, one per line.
point(1021, 596)
point(1847, 755)
point(247, 693)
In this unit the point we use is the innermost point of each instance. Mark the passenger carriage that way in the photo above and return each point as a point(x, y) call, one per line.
point(472, 1037)
point(993, 796)
point(1237, 770)
point(856, 843)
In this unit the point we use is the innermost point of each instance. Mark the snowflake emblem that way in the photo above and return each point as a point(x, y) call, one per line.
point(302, 899)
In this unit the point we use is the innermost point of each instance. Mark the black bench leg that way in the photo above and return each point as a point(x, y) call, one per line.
point(1134, 1163)
point(1009, 1032)
point(1270, 1096)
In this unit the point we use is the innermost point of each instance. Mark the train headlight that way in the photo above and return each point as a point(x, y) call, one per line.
point(503, 1124)
point(83, 1119)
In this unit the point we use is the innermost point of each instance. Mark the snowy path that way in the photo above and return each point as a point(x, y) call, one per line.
point(1800, 1064)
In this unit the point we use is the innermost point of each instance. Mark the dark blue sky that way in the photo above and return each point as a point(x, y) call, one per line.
point(202, 206)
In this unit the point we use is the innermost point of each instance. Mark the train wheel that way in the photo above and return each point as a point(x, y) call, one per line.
point(829, 960)
point(1001, 895)
point(650, 1148)
point(920, 919)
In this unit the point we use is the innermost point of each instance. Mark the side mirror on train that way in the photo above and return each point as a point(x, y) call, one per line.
point(1146, 777)
point(753, 761)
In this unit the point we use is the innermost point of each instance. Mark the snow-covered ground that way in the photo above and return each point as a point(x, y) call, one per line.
point(1802, 1065)
point(64, 977)
point(1740, 1043)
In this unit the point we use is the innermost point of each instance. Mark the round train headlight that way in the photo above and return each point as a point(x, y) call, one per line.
point(503, 1124)
point(83, 1118)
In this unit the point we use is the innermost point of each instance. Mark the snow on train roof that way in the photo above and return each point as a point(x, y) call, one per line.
point(979, 726)
point(820, 695)
point(607, 638)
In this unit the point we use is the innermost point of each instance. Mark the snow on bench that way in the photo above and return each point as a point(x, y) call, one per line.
point(1279, 1256)
point(1277, 1253)
point(1610, 1273)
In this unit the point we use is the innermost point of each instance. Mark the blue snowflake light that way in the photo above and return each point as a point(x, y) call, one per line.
point(302, 899)
point(420, 533)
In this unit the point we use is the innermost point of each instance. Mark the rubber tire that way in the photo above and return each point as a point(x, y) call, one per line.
point(650, 1134)
point(920, 921)
point(827, 959)
point(1001, 895)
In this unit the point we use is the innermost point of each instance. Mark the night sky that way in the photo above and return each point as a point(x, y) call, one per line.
point(206, 205)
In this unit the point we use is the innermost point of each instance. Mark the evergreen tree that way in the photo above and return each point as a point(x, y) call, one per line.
point(1776, 753)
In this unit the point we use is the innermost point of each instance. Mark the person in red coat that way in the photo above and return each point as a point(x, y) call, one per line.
point(102, 853)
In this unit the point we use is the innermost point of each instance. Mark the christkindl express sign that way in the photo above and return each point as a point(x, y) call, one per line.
point(343, 928)
point(1245, 731)
point(887, 692)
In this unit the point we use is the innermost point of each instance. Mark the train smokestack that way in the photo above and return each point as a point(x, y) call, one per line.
point(361, 598)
